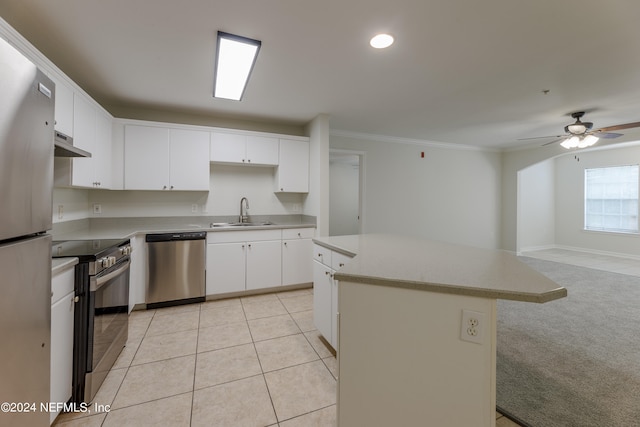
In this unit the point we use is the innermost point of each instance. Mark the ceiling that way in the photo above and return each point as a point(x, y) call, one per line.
point(461, 71)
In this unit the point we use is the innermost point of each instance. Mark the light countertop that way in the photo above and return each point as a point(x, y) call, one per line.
point(58, 265)
point(415, 263)
point(122, 228)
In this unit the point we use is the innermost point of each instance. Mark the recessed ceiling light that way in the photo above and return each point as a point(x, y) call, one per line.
point(381, 41)
point(235, 57)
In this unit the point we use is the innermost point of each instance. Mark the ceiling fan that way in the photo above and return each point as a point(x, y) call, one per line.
point(580, 135)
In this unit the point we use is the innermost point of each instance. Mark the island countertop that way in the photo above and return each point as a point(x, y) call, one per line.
point(416, 263)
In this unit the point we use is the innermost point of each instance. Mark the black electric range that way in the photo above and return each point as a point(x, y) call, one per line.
point(101, 313)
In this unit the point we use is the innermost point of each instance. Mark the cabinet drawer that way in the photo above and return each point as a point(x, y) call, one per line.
point(339, 260)
point(243, 236)
point(298, 233)
point(322, 255)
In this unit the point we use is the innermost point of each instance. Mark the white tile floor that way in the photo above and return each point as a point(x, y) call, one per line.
point(253, 361)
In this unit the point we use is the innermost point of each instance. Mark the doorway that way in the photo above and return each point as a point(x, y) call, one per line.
point(346, 170)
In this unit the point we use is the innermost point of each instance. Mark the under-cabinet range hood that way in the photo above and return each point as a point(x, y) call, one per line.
point(64, 147)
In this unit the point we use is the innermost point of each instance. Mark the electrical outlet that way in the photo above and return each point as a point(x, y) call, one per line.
point(296, 207)
point(472, 326)
point(60, 211)
point(194, 208)
point(97, 209)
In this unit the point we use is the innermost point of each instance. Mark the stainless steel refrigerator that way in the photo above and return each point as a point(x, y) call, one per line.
point(26, 181)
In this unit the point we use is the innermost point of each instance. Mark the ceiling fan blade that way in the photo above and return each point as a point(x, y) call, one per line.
point(553, 142)
point(619, 127)
point(541, 137)
point(606, 135)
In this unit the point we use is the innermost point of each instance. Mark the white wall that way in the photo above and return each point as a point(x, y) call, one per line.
point(73, 203)
point(316, 203)
point(536, 206)
point(344, 194)
point(452, 194)
point(569, 214)
point(228, 184)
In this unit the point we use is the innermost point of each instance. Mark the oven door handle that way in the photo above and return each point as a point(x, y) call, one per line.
point(98, 281)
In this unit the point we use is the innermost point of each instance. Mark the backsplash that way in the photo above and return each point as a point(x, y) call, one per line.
point(228, 184)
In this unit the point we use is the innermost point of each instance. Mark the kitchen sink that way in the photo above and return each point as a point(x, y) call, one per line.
point(240, 224)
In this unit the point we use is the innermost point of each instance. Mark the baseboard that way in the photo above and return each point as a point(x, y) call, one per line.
point(598, 252)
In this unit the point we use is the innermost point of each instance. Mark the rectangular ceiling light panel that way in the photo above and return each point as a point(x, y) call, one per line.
point(235, 57)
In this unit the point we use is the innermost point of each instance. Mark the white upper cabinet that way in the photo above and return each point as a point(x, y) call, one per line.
point(64, 106)
point(102, 150)
point(189, 159)
point(292, 174)
point(244, 149)
point(92, 131)
point(159, 158)
point(146, 158)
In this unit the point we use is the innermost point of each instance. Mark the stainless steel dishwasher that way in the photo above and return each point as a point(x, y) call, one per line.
point(176, 269)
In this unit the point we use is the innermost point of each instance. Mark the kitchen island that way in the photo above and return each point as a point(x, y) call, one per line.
point(417, 328)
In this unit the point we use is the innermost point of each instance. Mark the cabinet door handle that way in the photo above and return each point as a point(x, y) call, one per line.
point(248, 160)
point(76, 299)
point(249, 246)
point(285, 243)
point(341, 264)
point(299, 235)
point(326, 273)
point(164, 187)
point(172, 187)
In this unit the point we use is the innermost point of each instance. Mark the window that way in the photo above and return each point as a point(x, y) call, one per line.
point(611, 199)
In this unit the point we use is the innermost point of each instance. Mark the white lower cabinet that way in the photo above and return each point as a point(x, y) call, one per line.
point(226, 268)
point(322, 299)
point(243, 260)
point(325, 291)
point(264, 264)
point(297, 248)
point(62, 309)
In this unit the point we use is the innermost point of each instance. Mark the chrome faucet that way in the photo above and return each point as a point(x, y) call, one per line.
point(244, 207)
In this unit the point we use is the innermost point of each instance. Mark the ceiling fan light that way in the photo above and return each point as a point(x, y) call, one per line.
point(570, 142)
point(588, 141)
point(576, 128)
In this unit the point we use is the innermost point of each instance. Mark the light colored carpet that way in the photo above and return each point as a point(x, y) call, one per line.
point(574, 361)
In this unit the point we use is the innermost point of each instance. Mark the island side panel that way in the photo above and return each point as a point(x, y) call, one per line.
point(402, 362)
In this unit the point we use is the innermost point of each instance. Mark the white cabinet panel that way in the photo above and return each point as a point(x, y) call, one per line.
point(227, 147)
point(146, 158)
point(297, 262)
point(189, 159)
point(84, 134)
point(262, 150)
point(244, 149)
point(160, 158)
point(64, 106)
point(102, 151)
point(322, 299)
point(264, 264)
point(292, 175)
point(225, 268)
point(92, 131)
point(62, 309)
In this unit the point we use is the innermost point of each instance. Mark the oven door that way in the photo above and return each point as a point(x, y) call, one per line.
point(108, 323)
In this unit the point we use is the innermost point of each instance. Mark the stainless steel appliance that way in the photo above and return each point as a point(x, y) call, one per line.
point(176, 272)
point(26, 184)
point(101, 314)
